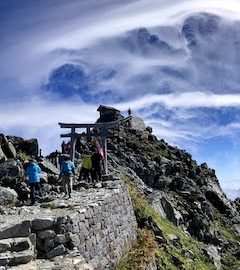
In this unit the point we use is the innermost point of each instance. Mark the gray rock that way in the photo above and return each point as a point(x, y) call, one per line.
point(7, 147)
point(20, 244)
point(3, 157)
point(16, 258)
point(5, 245)
point(42, 224)
point(44, 177)
point(5, 258)
point(49, 244)
point(22, 257)
point(8, 196)
point(18, 230)
point(212, 253)
point(9, 150)
point(11, 168)
point(30, 147)
point(48, 167)
point(98, 185)
point(3, 139)
point(57, 251)
point(237, 228)
point(46, 234)
point(171, 213)
point(162, 182)
point(137, 123)
point(53, 179)
point(60, 239)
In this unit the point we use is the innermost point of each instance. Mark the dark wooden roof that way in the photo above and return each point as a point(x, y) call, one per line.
point(107, 108)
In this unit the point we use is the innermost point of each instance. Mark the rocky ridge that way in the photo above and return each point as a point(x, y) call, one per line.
point(180, 190)
point(185, 200)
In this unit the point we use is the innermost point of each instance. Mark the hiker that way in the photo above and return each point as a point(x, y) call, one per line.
point(33, 172)
point(67, 173)
point(129, 111)
point(64, 147)
point(68, 148)
point(96, 166)
point(86, 166)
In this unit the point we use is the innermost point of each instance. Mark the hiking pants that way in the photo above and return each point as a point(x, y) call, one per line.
point(96, 174)
point(67, 184)
point(85, 174)
point(33, 188)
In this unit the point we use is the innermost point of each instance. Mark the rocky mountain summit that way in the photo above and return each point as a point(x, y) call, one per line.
point(184, 219)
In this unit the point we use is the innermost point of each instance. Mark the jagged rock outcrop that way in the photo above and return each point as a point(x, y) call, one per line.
point(192, 190)
point(30, 147)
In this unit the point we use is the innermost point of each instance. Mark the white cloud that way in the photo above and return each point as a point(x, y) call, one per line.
point(183, 100)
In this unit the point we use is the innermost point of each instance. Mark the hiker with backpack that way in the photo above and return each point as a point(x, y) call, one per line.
point(33, 172)
point(67, 173)
point(86, 169)
point(96, 166)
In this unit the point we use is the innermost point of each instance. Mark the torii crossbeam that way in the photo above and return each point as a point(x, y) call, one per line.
point(104, 126)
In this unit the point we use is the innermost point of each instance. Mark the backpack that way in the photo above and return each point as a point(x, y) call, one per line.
point(66, 168)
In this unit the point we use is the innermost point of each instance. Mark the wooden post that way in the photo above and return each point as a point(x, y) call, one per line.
point(104, 141)
point(88, 134)
point(73, 144)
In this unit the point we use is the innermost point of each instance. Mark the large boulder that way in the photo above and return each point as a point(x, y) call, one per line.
point(137, 123)
point(7, 147)
point(171, 213)
point(30, 147)
point(212, 253)
point(9, 150)
point(11, 172)
point(48, 166)
point(8, 196)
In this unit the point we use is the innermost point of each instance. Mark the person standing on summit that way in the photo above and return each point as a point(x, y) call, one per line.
point(63, 146)
point(33, 172)
point(67, 173)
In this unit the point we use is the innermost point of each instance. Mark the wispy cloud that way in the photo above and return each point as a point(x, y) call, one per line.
point(184, 100)
point(158, 72)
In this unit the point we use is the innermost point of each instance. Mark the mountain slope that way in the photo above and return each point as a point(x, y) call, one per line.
point(179, 190)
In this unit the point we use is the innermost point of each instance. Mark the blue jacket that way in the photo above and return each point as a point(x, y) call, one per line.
point(33, 172)
point(67, 167)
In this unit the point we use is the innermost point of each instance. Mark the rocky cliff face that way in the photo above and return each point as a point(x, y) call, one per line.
point(187, 194)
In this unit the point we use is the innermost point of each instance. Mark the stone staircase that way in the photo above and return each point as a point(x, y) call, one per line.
point(16, 251)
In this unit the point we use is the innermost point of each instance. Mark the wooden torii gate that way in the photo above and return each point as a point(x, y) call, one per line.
point(104, 126)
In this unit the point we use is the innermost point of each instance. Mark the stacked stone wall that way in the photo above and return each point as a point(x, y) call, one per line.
point(100, 224)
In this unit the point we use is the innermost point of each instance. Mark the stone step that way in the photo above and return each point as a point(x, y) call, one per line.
point(15, 244)
point(16, 258)
point(15, 230)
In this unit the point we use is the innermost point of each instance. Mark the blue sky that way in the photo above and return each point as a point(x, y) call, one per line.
point(175, 63)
